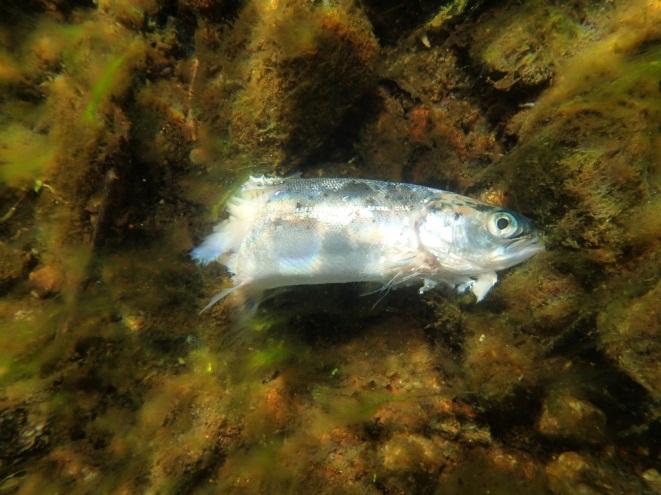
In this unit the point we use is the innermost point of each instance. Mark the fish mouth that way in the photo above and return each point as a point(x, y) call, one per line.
point(524, 247)
point(514, 252)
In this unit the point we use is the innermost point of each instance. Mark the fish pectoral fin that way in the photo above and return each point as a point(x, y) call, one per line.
point(222, 295)
point(479, 286)
point(483, 285)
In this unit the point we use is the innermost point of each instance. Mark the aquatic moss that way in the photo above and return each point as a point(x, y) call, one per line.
point(330, 47)
point(24, 155)
point(539, 297)
point(628, 327)
point(132, 13)
point(525, 44)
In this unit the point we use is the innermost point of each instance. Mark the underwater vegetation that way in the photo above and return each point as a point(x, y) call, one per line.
point(126, 124)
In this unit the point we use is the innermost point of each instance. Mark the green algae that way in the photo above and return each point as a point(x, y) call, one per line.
point(102, 88)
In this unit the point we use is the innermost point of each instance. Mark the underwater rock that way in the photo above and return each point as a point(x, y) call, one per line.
point(571, 472)
point(303, 67)
point(424, 125)
point(405, 453)
point(497, 470)
point(628, 332)
point(524, 44)
point(498, 362)
point(539, 297)
point(653, 479)
point(566, 416)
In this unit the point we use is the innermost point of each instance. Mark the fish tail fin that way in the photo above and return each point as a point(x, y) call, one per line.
point(211, 248)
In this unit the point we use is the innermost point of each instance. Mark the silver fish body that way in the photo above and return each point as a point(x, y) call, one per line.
point(294, 231)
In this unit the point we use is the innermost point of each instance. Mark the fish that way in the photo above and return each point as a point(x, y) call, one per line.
point(292, 231)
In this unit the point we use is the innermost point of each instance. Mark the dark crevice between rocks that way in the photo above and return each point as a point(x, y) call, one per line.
point(16, 13)
point(512, 419)
point(339, 146)
point(406, 99)
point(321, 315)
point(199, 475)
point(625, 402)
point(393, 20)
point(497, 106)
point(186, 21)
point(185, 24)
point(21, 441)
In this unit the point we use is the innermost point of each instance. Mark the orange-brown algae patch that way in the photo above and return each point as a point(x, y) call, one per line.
point(271, 408)
point(495, 195)
point(539, 296)
point(415, 453)
point(419, 124)
point(47, 280)
point(497, 361)
point(74, 465)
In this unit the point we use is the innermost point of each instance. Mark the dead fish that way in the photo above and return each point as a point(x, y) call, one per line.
point(293, 231)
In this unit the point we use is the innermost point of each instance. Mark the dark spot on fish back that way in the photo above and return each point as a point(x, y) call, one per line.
point(356, 188)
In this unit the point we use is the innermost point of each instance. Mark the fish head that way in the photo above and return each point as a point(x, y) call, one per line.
point(470, 237)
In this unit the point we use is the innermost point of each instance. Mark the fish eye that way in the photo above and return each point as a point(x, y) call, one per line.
point(503, 224)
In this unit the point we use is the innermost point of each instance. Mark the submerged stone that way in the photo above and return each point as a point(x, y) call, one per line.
point(566, 416)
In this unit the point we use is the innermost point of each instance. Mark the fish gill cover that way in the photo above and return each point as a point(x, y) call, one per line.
point(126, 124)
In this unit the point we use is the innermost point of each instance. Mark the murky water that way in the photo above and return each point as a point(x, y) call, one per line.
point(126, 124)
